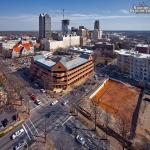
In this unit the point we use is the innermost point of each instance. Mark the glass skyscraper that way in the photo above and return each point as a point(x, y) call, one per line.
point(44, 26)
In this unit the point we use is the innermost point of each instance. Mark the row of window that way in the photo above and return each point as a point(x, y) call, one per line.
point(80, 69)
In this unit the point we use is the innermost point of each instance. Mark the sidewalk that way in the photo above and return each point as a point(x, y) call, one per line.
point(113, 143)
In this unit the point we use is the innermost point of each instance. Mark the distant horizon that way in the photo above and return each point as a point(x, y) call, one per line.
point(60, 30)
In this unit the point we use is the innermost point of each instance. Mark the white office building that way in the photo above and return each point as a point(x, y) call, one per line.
point(66, 41)
point(137, 65)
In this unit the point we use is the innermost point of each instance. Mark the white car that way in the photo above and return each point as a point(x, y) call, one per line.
point(43, 91)
point(80, 139)
point(20, 145)
point(65, 102)
point(54, 102)
point(17, 133)
point(38, 102)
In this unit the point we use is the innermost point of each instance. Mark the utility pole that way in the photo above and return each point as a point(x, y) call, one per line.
point(45, 132)
point(28, 107)
point(95, 116)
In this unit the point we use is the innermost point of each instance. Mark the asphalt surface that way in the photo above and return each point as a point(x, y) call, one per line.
point(55, 125)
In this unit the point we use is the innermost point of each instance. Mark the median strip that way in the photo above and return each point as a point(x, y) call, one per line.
point(10, 128)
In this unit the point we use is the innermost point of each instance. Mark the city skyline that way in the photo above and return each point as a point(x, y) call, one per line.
point(112, 15)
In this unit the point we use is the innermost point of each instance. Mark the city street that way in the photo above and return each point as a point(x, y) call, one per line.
point(54, 119)
point(58, 117)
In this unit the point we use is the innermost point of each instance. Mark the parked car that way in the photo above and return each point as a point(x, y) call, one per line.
point(4, 122)
point(43, 91)
point(80, 139)
point(65, 102)
point(33, 97)
point(38, 102)
point(54, 102)
point(20, 144)
point(17, 133)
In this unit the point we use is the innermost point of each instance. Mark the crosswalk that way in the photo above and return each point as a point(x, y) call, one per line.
point(30, 129)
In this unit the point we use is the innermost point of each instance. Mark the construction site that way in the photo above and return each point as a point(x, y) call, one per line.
point(120, 109)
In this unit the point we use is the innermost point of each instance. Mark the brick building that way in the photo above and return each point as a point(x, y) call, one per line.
point(61, 71)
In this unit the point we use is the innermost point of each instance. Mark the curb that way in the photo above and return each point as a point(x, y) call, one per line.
point(10, 128)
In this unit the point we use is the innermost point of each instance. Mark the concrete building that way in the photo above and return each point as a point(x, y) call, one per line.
point(104, 48)
point(97, 25)
point(65, 41)
point(143, 48)
point(60, 72)
point(44, 26)
point(137, 65)
point(65, 26)
point(82, 32)
point(7, 45)
point(97, 33)
point(80, 51)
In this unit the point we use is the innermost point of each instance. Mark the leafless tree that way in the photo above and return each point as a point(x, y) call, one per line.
point(123, 127)
point(94, 111)
point(107, 121)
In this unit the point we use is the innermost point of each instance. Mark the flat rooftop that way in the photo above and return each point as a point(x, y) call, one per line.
point(117, 98)
point(143, 45)
point(69, 62)
point(132, 53)
point(81, 50)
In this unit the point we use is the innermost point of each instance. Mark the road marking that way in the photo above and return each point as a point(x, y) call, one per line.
point(34, 126)
point(35, 108)
point(67, 120)
point(29, 128)
point(26, 132)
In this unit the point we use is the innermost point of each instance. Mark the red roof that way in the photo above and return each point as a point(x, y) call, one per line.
point(19, 46)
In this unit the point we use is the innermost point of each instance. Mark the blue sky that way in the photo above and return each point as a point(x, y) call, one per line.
point(113, 14)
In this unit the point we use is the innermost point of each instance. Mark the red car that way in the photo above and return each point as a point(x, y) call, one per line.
point(32, 96)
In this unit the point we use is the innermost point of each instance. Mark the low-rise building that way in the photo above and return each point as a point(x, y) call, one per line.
point(17, 48)
point(80, 50)
point(22, 49)
point(143, 48)
point(60, 72)
point(104, 48)
point(137, 65)
point(65, 41)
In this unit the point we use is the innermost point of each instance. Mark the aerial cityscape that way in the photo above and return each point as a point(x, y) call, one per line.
point(75, 75)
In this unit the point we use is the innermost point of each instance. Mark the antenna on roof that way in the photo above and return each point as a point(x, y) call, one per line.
point(63, 13)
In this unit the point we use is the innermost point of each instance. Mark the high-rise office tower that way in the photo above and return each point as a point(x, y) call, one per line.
point(65, 25)
point(44, 26)
point(97, 25)
point(97, 33)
